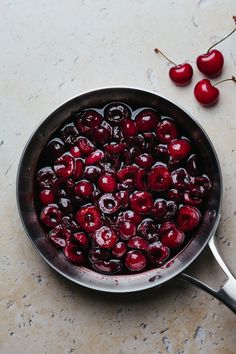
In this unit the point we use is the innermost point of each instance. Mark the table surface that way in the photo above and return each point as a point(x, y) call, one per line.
point(50, 52)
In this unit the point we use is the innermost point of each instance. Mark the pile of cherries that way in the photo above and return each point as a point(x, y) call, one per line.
point(210, 64)
point(120, 191)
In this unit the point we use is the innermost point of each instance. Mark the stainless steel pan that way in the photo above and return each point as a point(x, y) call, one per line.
point(127, 283)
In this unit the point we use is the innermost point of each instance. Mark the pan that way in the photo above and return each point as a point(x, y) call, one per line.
point(176, 267)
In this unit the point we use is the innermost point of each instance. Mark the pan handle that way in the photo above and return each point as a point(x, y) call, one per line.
point(227, 293)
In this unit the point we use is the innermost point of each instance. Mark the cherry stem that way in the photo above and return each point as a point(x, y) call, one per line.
point(234, 18)
point(156, 50)
point(233, 78)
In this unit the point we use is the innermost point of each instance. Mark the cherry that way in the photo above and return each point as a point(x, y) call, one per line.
point(84, 189)
point(123, 197)
point(199, 186)
point(108, 203)
point(126, 229)
point(81, 239)
point(46, 177)
point(205, 93)
point(132, 216)
point(148, 230)
point(101, 135)
point(75, 151)
point(89, 218)
point(85, 145)
point(180, 178)
point(110, 163)
point(179, 149)
point(55, 148)
point(47, 196)
point(161, 153)
point(105, 237)
point(63, 187)
point(170, 235)
point(188, 218)
point(138, 243)
point(115, 113)
point(147, 120)
point(166, 131)
point(163, 211)
point(94, 157)
point(211, 63)
point(69, 134)
point(135, 261)
point(208, 94)
point(59, 236)
point(92, 173)
point(129, 128)
point(159, 178)
point(119, 250)
point(141, 202)
point(88, 120)
point(64, 166)
point(115, 148)
point(144, 160)
point(74, 254)
point(127, 172)
point(107, 183)
point(180, 74)
point(51, 215)
point(157, 253)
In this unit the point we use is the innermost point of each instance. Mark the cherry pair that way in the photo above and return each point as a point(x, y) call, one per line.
point(211, 64)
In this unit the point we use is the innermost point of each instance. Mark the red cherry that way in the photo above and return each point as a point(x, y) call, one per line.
point(135, 261)
point(107, 183)
point(180, 74)
point(74, 254)
point(205, 93)
point(88, 218)
point(119, 249)
point(105, 237)
point(179, 149)
point(84, 189)
point(46, 196)
point(159, 178)
point(211, 63)
point(170, 235)
point(188, 218)
point(141, 202)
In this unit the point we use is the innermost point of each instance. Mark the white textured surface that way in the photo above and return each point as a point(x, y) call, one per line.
point(51, 51)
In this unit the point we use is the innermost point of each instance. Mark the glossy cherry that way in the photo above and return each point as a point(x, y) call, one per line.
point(208, 94)
point(211, 63)
point(188, 218)
point(205, 93)
point(180, 74)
